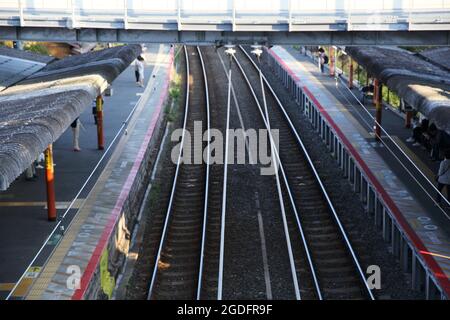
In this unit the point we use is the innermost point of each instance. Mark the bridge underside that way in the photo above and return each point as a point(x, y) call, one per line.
point(347, 38)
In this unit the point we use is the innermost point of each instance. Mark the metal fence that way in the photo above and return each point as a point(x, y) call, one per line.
point(243, 15)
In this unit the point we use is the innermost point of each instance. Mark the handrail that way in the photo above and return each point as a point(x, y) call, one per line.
point(294, 13)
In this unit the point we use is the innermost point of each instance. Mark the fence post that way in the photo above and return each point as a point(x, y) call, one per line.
point(22, 20)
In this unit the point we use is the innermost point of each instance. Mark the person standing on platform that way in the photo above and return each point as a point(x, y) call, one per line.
point(139, 71)
point(416, 130)
point(443, 177)
point(321, 60)
point(30, 173)
point(136, 71)
point(76, 134)
point(434, 134)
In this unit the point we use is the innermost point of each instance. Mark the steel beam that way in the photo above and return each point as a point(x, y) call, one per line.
point(378, 98)
point(212, 37)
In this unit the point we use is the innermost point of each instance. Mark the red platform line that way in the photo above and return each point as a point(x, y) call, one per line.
point(109, 228)
point(414, 238)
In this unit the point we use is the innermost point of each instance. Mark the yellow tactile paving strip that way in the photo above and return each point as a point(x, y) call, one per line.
point(6, 286)
point(418, 220)
point(419, 163)
point(21, 290)
point(54, 262)
point(59, 204)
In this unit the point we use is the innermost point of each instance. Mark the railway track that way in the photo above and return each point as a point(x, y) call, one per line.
point(334, 270)
point(178, 265)
point(209, 284)
point(190, 237)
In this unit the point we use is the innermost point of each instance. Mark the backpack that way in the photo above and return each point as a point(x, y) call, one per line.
point(325, 59)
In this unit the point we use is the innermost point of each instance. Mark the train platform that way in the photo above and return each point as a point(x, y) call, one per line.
point(74, 250)
point(393, 122)
point(392, 188)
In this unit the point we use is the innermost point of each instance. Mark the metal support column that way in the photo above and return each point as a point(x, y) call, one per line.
point(405, 253)
point(395, 240)
point(386, 226)
point(125, 14)
point(99, 106)
point(50, 183)
point(379, 212)
point(332, 61)
point(180, 27)
point(22, 20)
point(376, 84)
point(350, 75)
point(417, 275)
point(377, 100)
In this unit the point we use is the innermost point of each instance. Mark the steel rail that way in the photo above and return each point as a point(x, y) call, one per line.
point(291, 197)
point(175, 179)
point(318, 180)
point(174, 186)
point(208, 161)
point(280, 192)
point(224, 194)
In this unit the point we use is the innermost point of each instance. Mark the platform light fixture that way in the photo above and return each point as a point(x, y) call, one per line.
point(230, 49)
point(257, 51)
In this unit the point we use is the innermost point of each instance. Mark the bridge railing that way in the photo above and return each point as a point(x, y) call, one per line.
point(225, 14)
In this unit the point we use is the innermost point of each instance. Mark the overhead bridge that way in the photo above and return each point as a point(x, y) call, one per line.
point(326, 22)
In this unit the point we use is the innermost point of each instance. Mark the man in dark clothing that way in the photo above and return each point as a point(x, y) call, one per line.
point(434, 136)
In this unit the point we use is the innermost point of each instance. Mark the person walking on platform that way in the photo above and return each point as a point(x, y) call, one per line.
point(443, 177)
point(76, 134)
point(139, 71)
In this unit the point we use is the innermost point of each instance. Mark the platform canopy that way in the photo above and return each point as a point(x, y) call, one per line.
point(439, 56)
point(44, 96)
point(423, 83)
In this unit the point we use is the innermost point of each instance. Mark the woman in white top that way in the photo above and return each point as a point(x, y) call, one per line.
point(139, 71)
point(76, 134)
point(443, 177)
